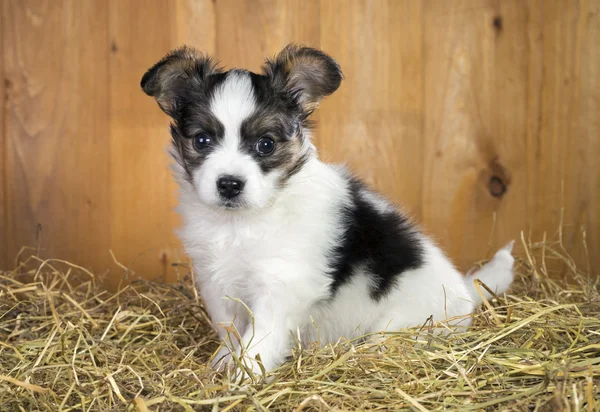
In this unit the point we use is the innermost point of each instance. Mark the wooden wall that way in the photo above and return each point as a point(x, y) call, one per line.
point(468, 112)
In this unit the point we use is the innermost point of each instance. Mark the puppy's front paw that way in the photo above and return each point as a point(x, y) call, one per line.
point(247, 366)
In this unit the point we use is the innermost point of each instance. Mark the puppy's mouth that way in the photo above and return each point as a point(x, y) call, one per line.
point(231, 204)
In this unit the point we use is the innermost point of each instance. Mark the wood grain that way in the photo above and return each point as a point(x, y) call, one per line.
point(374, 121)
point(3, 158)
point(250, 30)
point(474, 124)
point(142, 188)
point(480, 117)
point(504, 107)
point(56, 117)
point(564, 137)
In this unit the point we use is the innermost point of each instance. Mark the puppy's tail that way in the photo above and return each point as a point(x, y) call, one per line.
point(497, 274)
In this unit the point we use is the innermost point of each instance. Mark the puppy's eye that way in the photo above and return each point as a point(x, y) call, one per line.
point(265, 146)
point(202, 141)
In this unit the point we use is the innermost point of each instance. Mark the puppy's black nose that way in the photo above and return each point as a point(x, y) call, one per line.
point(229, 186)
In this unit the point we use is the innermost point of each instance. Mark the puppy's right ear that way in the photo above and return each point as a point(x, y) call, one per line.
point(180, 70)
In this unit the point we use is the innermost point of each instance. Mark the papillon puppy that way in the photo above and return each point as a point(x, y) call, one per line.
point(283, 245)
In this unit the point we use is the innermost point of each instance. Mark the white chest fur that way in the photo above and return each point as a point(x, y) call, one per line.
point(282, 248)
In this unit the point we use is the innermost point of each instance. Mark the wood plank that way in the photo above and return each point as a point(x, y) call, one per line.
point(588, 125)
point(143, 192)
point(56, 126)
point(195, 24)
point(475, 120)
point(511, 96)
point(374, 122)
point(563, 133)
point(250, 30)
point(460, 110)
point(4, 260)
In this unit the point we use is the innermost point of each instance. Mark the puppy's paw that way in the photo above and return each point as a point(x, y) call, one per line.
point(242, 368)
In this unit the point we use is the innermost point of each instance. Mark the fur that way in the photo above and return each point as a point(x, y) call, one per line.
point(305, 249)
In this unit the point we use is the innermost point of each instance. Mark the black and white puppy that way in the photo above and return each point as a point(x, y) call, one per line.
point(301, 245)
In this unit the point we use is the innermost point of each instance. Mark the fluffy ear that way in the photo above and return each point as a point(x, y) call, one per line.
point(179, 70)
point(307, 73)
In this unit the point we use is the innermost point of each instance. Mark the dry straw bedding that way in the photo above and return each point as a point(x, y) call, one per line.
point(67, 344)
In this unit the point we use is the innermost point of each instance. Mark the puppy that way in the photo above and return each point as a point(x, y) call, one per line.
point(283, 244)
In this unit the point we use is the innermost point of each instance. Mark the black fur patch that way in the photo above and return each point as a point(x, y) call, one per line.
point(193, 118)
point(278, 116)
point(384, 243)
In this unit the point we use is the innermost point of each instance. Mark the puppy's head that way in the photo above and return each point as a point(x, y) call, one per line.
point(237, 135)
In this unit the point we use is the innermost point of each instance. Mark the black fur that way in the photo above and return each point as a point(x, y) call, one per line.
point(385, 243)
point(278, 116)
point(192, 119)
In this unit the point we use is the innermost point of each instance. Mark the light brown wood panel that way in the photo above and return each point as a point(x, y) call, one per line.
point(250, 30)
point(504, 99)
point(588, 122)
point(56, 117)
point(3, 170)
point(142, 188)
point(475, 123)
point(564, 136)
point(374, 121)
point(481, 117)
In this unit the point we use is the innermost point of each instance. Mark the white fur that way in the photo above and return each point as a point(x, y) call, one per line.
point(272, 255)
point(272, 259)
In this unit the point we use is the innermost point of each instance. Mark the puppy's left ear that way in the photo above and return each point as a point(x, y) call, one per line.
point(306, 73)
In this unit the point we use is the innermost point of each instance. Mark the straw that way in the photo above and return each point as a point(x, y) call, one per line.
point(67, 344)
